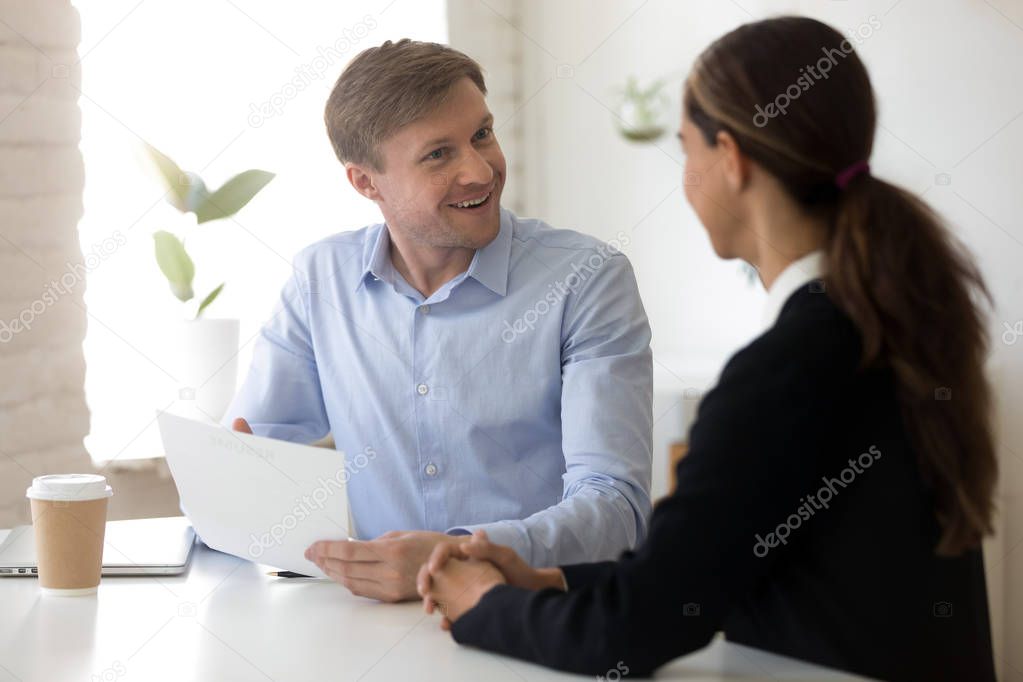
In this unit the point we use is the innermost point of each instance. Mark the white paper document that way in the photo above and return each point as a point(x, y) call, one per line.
point(257, 498)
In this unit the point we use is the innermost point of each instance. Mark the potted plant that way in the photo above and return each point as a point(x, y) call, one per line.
point(642, 111)
point(203, 350)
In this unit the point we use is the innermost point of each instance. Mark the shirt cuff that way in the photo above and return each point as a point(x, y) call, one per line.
point(500, 533)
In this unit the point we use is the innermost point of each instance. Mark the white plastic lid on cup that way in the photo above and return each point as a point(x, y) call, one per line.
point(69, 487)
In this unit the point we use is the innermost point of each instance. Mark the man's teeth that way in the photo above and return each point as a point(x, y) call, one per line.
point(472, 202)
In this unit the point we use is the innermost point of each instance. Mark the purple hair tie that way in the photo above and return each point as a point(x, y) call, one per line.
point(845, 177)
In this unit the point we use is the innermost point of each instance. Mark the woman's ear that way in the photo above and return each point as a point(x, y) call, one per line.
point(735, 164)
point(362, 180)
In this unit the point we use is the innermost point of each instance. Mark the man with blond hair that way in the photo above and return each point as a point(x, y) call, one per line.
point(498, 370)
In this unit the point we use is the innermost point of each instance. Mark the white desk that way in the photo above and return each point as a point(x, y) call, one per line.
point(225, 620)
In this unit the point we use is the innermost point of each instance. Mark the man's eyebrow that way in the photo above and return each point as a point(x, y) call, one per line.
point(487, 120)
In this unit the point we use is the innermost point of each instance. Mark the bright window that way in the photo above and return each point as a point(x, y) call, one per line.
point(220, 87)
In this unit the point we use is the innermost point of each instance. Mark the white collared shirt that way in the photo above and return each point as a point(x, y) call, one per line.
point(798, 273)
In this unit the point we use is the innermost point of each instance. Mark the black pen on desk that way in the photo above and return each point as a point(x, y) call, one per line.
point(288, 574)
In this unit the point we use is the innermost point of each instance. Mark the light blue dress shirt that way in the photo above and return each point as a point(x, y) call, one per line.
point(516, 399)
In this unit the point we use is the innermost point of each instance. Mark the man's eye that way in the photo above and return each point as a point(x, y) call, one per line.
point(435, 155)
point(482, 133)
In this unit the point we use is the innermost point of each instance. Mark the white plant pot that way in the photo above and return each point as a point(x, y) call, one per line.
point(206, 363)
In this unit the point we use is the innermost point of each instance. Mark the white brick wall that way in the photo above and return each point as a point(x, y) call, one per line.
point(43, 415)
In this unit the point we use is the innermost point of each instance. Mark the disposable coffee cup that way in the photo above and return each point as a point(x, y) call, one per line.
point(69, 518)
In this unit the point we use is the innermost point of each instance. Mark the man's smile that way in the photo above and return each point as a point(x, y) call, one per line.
point(474, 202)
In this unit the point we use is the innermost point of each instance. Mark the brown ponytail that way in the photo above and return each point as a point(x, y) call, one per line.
point(907, 284)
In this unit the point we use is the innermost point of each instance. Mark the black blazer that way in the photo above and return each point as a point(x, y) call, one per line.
point(800, 525)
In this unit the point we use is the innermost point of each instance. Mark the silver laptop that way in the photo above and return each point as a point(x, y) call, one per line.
point(137, 547)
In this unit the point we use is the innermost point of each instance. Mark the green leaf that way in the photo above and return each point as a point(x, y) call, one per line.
point(233, 195)
point(173, 177)
point(653, 89)
point(209, 299)
point(175, 264)
point(187, 189)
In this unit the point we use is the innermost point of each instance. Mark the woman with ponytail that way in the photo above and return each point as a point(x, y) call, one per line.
point(840, 476)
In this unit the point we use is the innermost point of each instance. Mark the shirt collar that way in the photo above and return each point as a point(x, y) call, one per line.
point(376, 259)
point(489, 265)
point(798, 273)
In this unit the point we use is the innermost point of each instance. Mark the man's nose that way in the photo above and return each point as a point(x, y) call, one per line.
point(475, 170)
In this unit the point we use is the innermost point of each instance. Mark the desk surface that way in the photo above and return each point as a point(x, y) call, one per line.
point(225, 620)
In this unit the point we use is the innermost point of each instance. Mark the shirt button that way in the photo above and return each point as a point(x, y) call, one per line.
point(422, 389)
point(424, 309)
point(431, 469)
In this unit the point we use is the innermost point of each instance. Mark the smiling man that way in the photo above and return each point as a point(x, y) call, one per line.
point(495, 371)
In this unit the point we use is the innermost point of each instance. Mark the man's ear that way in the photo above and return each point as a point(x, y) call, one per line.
point(735, 164)
point(362, 180)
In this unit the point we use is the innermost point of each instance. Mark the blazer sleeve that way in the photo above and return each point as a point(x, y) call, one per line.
point(755, 449)
point(580, 575)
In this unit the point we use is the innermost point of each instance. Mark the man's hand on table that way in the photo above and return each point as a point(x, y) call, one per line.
point(384, 568)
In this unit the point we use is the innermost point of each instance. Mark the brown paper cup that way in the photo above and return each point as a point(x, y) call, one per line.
point(69, 534)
